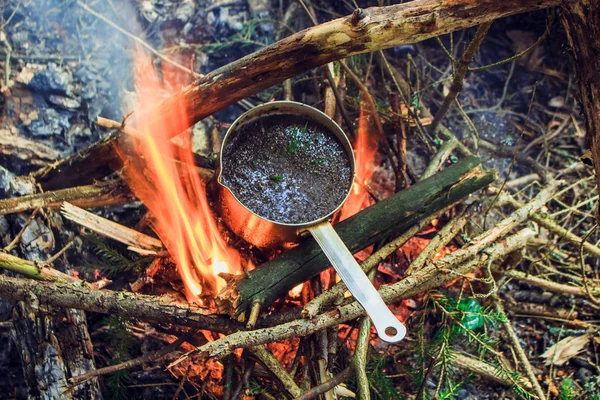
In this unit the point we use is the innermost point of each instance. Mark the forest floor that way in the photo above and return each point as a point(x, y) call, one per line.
point(64, 63)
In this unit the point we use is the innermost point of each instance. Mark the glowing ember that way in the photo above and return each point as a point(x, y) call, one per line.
point(173, 192)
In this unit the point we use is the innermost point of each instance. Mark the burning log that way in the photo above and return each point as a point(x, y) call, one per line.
point(275, 278)
point(364, 31)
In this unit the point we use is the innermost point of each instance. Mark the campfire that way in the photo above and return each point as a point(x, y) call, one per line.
point(356, 210)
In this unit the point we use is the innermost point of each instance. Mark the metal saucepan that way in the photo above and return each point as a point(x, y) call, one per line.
point(265, 233)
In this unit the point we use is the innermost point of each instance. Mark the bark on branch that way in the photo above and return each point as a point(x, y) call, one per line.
point(144, 307)
point(364, 31)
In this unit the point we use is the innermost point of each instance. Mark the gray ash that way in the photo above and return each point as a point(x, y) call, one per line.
point(287, 168)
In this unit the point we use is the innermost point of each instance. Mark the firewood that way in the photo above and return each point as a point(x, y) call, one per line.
point(366, 30)
point(274, 279)
point(99, 194)
point(159, 309)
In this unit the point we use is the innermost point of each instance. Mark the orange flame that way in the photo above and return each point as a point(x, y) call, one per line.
point(173, 192)
point(365, 148)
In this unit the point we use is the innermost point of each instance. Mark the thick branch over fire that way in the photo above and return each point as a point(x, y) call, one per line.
point(364, 31)
point(391, 216)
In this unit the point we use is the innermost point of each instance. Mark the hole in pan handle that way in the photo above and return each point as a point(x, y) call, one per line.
point(387, 325)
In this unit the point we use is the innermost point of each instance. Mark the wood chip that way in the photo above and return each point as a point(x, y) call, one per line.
point(566, 349)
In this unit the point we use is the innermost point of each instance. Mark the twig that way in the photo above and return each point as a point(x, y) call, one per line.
point(483, 369)
point(549, 285)
point(136, 241)
point(149, 308)
point(582, 263)
point(267, 358)
point(548, 223)
point(8, 54)
point(254, 313)
point(403, 179)
point(33, 270)
point(359, 359)
point(113, 192)
point(514, 340)
point(60, 252)
point(244, 381)
point(200, 161)
point(440, 157)
point(459, 74)
point(146, 358)
point(444, 235)
point(327, 386)
point(17, 237)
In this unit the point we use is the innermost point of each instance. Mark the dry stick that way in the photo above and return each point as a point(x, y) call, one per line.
point(459, 74)
point(315, 392)
point(514, 340)
point(377, 28)
point(440, 157)
point(549, 285)
point(146, 358)
point(17, 237)
point(136, 241)
point(444, 235)
point(100, 194)
point(359, 359)
point(483, 369)
point(254, 314)
point(548, 223)
point(269, 360)
point(126, 304)
point(403, 289)
point(336, 292)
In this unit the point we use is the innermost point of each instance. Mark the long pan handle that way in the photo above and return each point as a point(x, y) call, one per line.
point(387, 325)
